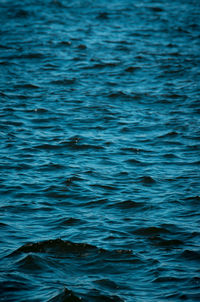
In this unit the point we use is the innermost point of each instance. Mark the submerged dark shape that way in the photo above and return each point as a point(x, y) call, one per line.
point(66, 296)
point(56, 245)
point(147, 180)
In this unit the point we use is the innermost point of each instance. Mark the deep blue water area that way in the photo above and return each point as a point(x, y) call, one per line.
point(99, 151)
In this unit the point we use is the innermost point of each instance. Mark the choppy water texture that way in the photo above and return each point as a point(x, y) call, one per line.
point(99, 125)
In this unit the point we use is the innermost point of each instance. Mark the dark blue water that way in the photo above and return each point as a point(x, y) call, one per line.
point(99, 150)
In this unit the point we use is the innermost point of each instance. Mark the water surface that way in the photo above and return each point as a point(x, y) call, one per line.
point(99, 151)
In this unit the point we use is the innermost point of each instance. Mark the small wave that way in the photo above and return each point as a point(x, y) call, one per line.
point(150, 231)
point(133, 161)
point(82, 46)
point(170, 155)
point(101, 65)
point(12, 287)
point(23, 167)
point(72, 179)
point(96, 296)
point(135, 150)
point(39, 110)
point(195, 199)
point(4, 46)
point(3, 225)
point(107, 283)
point(64, 82)
point(44, 122)
point(57, 195)
point(103, 16)
point(21, 13)
point(66, 296)
point(195, 281)
point(93, 295)
point(4, 63)
point(51, 167)
point(69, 145)
point(174, 95)
point(32, 55)
point(131, 69)
point(65, 43)
point(166, 243)
point(191, 255)
point(104, 187)
point(183, 297)
point(147, 180)
point(47, 147)
point(27, 86)
point(127, 204)
point(96, 203)
point(156, 9)
point(169, 134)
point(168, 279)
point(119, 94)
point(14, 123)
point(68, 222)
point(32, 263)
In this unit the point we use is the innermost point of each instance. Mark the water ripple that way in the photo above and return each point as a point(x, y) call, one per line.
point(99, 149)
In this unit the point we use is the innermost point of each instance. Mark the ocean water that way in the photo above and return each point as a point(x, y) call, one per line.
point(99, 151)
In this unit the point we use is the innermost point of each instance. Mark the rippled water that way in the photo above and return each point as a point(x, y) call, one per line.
point(99, 150)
